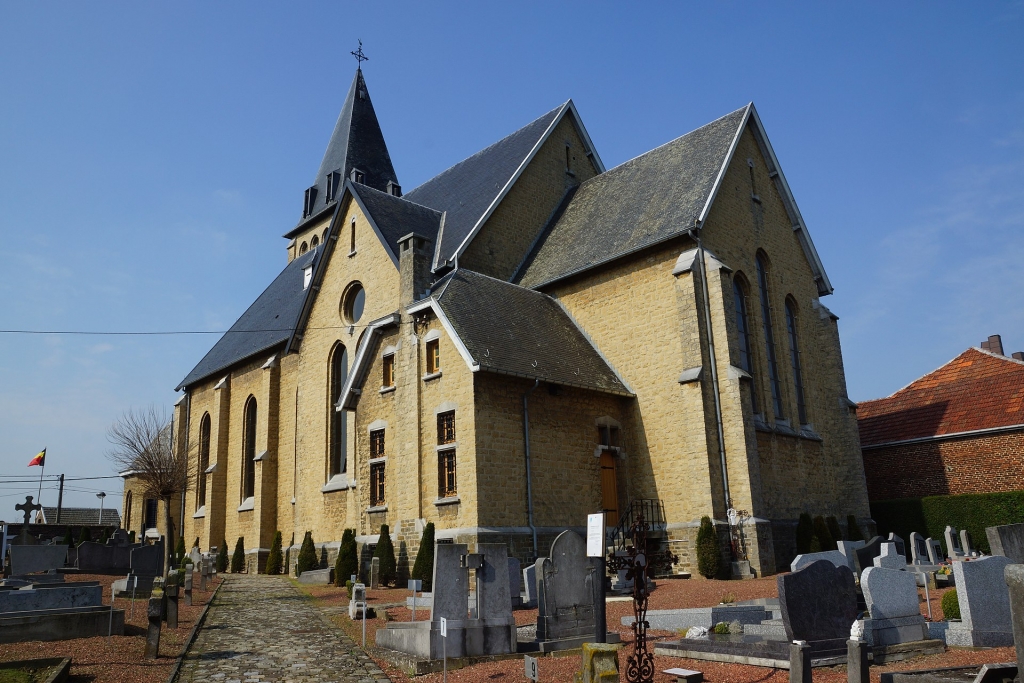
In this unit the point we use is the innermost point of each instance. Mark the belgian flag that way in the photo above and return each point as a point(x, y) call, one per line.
point(39, 459)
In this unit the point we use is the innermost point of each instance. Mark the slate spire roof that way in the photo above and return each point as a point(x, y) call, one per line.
point(357, 143)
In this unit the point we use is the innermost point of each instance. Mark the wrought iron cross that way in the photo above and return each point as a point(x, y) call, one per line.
point(639, 564)
point(360, 57)
point(29, 507)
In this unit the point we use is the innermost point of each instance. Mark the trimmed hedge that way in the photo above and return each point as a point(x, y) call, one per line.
point(950, 605)
point(238, 557)
point(930, 515)
point(274, 558)
point(709, 558)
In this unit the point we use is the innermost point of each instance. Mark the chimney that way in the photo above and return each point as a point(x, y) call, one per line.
point(1018, 355)
point(993, 345)
point(413, 267)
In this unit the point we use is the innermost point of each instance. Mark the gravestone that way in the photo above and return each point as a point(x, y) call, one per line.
point(918, 549)
point(890, 558)
point(849, 549)
point(171, 591)
point(818, 602)
point(1007, 540)
point(155, 614)
point(374, 572)
point(952, 543)
point(148, 560)
point(188, 585)
point(450, 584)
point(891, 598)
point(866, 555)
point(984, 604)
point(195, 556)
point(51, 597)
point(901, 547)
point(834, 556)
point(935, 555)
point(1013, 575)
point(26, 559)
point(565, 597)
point(530, 584)
point(357, 605)
point(493, 598)
point(967, 543)
point(515, 581)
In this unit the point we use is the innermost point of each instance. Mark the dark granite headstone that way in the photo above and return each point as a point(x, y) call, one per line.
point(566, 595)
point(1007, 540)
point(818, 602)
point(866, 555)
point(148, 560)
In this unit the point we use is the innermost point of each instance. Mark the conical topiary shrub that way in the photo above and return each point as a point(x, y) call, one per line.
point(84, 535)
point(323, 557)
point(307, 555)
point(131, 536)
point(348, 561)
point(853, 531)
point(238, 557)
point(423, 568)
point(804, 534)
point(68, 538)
point(274, 557)
point(833, 529)
point(709, 558)
point(105, 535)
point(821, 532)
point(386, 552)
point(222, 556)
point(179, 550)
point(950, 605)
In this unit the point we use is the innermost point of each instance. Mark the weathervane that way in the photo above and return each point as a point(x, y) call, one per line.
point(360, 57)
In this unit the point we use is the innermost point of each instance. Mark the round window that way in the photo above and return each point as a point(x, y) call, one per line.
point(352, 303)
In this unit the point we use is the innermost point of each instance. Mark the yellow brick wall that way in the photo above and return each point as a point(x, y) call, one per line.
point(503, 241)
point(133, 521)
point(319, 229)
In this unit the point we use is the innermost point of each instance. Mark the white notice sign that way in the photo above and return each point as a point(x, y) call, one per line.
point(531, 667)
point(444, 627)
point(595, 535)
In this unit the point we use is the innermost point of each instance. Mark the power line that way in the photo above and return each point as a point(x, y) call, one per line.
point(157, 333)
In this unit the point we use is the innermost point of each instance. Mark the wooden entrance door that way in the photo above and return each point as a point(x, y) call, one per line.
point(609, 489)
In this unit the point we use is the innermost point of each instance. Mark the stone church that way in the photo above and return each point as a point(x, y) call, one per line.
point(526, 338)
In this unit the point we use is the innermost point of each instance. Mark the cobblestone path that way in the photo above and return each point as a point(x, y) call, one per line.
point(260, 628)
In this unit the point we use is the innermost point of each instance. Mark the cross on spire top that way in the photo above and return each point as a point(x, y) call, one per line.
point(360, 57)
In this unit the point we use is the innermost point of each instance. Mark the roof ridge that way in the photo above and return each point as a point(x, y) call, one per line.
point(952, 360)
point(359, 187)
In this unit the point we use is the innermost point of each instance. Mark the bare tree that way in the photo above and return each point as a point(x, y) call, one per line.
point(143, 444)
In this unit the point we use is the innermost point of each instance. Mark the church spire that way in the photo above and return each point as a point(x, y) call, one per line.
point(356, 151)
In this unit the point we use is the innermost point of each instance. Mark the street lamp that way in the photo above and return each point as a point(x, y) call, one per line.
point(101, 496)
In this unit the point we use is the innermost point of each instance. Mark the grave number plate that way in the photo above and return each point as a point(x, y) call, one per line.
point(444, 627)
point(415, 585)
point(531, 667)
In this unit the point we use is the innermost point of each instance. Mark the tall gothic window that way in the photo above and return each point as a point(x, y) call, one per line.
point(338, 423)
point(204, 460)
point(769, 338)
point(743, 331)
point(794, 352)
point(128, 510)
point(249, 450)
point(446, 474)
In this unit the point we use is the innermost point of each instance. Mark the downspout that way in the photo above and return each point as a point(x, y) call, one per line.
point(694, 233)
point(188, 424)
point(526, 449)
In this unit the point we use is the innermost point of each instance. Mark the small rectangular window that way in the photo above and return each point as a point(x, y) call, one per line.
point(608, 436)
point(377, 484)
point(388, 370)
point(377, 443)
point(446, 486)
point(446, 427)
point(433, 356)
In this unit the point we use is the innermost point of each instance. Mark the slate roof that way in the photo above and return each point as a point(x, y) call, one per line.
point(357, 142)
point(396, 217)
point(644, 201)
point(268, 322)
point(975, 390)
point(466, 190)
point(82, 516)
point(516, 331)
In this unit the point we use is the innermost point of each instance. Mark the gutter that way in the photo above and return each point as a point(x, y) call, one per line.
point(944, 437)
point(526, 450)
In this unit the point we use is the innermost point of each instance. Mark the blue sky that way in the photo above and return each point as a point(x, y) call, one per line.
point(151, 156)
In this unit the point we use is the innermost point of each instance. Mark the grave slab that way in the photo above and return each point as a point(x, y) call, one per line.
point(60, 624)
point(51, 597)
point(28, 559)
point(320, 577)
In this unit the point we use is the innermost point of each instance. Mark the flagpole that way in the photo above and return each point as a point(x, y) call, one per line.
point(39, 493)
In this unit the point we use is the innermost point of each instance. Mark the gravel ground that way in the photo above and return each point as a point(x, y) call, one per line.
point(119, 659)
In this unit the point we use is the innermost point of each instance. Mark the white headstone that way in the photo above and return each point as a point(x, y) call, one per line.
point(834, 556)
point(890, 559)
point(889, 593)
point(952, 542)
point(918, 549)
point(983, 594)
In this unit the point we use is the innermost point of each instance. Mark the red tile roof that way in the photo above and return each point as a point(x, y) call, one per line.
point(975, 390)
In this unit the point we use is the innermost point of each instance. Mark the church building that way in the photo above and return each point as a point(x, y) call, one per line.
point(527, 338)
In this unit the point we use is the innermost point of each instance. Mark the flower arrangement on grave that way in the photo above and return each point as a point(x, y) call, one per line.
point(238, 557)
point(728, 599)
point(721, 628)
point(944, 569)
point(274, 556)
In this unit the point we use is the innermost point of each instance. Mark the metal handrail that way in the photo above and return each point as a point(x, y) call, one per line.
point(653, 512)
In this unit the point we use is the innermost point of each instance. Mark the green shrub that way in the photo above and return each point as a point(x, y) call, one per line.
point(68, 538)
point(833, 529)
point(722, 628)
point(815, 545)
point(348, 587)
point(822, 533)
point(287, 569)
point(950, 605)
point(853, 532)
point(131, 536)
point(306, 560)
point(709, 558)
point(347, 563)
point(423, 568)
point(274, 557)
point(804, 534)
point(238, 557)
point(222, 556)
point(179, 550)
point(323, 557)
point(386, 552)
point(929, 516)
point(84, 536)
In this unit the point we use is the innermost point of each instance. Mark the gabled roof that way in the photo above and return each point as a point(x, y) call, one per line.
point(653, 198)
point(395, 217)
point(81, 516)
point(357, 142)
point(268, 322)
point(469, 191)
point(976, 390)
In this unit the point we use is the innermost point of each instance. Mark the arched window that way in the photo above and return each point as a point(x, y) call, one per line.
point(352, 236)
point(739, 292)
point(794, 352)
point(314, 242)
point(204, 460)
point(249, 450)
point(324, 238)
point(128, 510)
point(336, 418)
point(769, 337)
point(303, 249)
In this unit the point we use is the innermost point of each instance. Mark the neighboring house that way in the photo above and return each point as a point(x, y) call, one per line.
point(523, 340)
point(958, 429)
point(142, 511)
point(79, 516)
